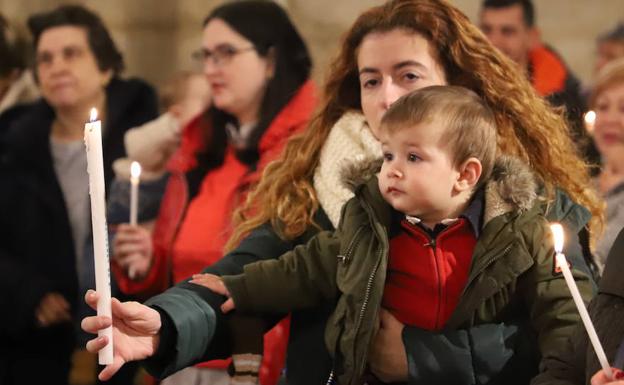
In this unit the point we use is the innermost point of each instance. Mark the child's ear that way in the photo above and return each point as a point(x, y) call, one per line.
point(469, 174)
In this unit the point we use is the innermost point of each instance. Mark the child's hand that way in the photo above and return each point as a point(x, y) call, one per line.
point(215, 283)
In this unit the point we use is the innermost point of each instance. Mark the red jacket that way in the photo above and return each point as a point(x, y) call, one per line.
point(427, 276)
point(189, 236)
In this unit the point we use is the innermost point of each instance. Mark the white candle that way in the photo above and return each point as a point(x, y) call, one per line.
point(135, 175)
point(562, 263)
point(590, 121)
point(95, 168)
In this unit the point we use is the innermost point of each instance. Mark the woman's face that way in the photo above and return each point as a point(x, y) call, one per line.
point(390, 65)
point(238, 76)
point(609, 128)
point(68, 72)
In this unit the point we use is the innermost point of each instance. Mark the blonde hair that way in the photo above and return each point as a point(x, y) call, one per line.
point(528, 127)
point(174, 89)
point(467, 124)
point(612, 74)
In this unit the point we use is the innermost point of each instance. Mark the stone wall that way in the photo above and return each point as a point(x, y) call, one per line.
point(158, 36)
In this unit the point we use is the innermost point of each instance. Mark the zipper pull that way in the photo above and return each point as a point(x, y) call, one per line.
point(343, 258)
point(431, 243)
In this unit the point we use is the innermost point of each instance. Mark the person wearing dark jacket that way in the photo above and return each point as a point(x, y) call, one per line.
point(45, 239)
point(510, 26)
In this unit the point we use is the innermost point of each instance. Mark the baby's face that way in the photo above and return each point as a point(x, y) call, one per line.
point(418, 176)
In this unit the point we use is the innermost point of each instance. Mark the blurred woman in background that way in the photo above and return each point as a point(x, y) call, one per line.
point(258, 68)
point(46, 250)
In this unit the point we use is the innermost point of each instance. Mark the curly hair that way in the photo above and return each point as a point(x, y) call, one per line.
point(528, 127)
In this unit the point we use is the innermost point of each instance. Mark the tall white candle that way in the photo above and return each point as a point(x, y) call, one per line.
point(95, 168)
point(562, 263)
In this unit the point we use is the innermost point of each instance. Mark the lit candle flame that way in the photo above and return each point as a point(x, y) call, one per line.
point(93, 115)
point(135, 170)
point(590, 119)
point(557, 231)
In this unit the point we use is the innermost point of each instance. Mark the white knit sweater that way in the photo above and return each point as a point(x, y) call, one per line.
point(349, 141)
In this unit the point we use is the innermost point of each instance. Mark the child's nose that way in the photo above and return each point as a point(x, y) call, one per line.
point(395, 173)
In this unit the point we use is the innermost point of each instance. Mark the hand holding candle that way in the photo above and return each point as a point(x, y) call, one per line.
point(562, 263)
point(95, 169)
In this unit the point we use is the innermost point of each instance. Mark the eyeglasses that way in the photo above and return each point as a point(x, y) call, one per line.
point(221, 55)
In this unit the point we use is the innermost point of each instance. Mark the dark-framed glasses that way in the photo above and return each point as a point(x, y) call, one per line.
point(221, 55)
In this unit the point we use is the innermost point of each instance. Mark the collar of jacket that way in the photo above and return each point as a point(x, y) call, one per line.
point(473, 214)
point(295, 113)
point(547, 71)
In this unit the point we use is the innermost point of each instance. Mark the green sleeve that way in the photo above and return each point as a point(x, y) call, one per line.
point(194, 322)
point(301, 278)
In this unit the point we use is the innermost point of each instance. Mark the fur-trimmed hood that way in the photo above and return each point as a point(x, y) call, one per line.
point(511, 187)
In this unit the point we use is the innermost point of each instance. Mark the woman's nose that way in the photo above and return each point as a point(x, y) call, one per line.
point(390, 93)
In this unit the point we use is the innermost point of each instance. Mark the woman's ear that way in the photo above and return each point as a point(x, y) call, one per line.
point(106, 77)
point(469, 173)
point(271, 59)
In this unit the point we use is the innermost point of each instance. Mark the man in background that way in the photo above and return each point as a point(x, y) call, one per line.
point(510, 26)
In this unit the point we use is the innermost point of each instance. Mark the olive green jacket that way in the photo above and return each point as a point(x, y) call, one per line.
point(511, 277)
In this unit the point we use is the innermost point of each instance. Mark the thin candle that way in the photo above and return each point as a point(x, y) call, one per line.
point(95, 169)
point(562, 263)
point(135, 176)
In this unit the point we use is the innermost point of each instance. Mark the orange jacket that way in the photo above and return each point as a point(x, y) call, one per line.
point(548, 72)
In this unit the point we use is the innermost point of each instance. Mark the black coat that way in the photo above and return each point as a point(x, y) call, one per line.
point(36, 247)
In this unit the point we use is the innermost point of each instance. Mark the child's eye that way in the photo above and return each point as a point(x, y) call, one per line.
point(388, 156)
point(413, 158)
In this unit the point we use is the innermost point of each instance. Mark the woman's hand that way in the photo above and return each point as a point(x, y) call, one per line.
point(136, 330)
point(215, 283)
point(387, 357)
point(600, 378)
point(132, 250)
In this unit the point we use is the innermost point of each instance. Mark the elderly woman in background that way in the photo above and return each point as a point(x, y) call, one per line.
point(607, 101)
point(45, 239)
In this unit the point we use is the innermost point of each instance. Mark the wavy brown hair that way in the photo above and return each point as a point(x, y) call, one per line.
point(528, 127)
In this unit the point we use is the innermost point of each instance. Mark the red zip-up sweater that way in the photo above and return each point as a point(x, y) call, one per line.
point(189, 236)
point(426, 276)
point(428, 270)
